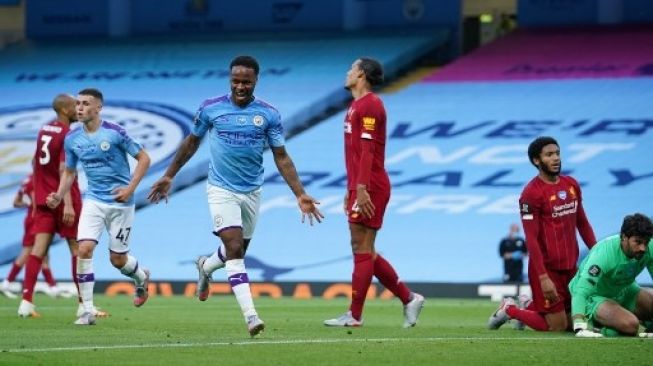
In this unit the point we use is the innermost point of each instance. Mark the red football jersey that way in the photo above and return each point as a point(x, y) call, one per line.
point(550, 214)
point(48, 156)
point(366, 120)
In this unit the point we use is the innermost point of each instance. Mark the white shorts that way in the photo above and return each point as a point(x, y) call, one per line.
point(231, 209)
point(117, 220)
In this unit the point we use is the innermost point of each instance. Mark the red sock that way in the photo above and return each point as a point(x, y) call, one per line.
point(388, 277)
point(75, 280)
point(32, 269)
point(361, 279)
point(529, 317)
point(47, 274)
point(13, 272)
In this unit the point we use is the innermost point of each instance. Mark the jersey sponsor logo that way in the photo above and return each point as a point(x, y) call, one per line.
point(159, 127)
point(258, 121)
point(562, 195)
point(105, 145)
point(566, 209)
point(594, 270)
point(369, 123)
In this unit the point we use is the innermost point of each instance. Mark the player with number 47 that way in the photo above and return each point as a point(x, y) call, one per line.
point(101, 148)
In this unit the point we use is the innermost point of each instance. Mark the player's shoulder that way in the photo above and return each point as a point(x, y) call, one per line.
point(532, 189)
point(75, 131)
point(369, 100)
point(266, 106)
point(110, 126)
point(569, 180)
point(214, 101)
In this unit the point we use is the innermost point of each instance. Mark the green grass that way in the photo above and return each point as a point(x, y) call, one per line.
point(178, 330)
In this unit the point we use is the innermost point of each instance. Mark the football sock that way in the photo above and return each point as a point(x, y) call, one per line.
point(389, 279)
point(13, 272)
point(32, 269)
point(86, 280)
point(609, 332)
point(239, 281)
point(49, 279)
point(215, 261)
point(74, 269)
point(133, 271)
point(361, 279)
point(531, 318)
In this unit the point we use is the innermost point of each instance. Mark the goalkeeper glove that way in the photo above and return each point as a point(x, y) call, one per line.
point(580, 328)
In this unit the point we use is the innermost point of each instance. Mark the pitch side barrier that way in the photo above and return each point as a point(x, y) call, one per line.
point(298, 290)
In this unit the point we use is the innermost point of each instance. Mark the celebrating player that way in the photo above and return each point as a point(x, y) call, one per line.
point(368, 193)
point(102, 149)
point(551, 207)
point(48, 164)
point(604, 290)
point(240, 127)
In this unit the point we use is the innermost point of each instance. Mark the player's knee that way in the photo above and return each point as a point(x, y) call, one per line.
point(85, 252)
point(118, 260)
point(558, 324)
point(234, 249)
point(629, 326)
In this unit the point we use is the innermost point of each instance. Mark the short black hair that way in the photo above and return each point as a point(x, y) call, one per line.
point(245, 61)
point(535, 148)
point(372, 69)
point(95, 93)
point(637, 225)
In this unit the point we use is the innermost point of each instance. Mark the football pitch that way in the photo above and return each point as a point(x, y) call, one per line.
point(179, 330)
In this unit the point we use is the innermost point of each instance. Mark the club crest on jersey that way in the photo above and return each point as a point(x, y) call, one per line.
point(159, 127)
point(258, 121)
point(594, 270)
point(562, 195)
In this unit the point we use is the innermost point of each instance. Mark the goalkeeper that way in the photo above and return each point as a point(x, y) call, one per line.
point(604, 291)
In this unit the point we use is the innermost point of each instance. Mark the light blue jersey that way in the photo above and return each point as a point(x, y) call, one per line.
point(237, 138)
point(103, 155)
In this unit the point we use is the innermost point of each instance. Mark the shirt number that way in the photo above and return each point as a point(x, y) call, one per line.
point(123, 235)
point(45, 157)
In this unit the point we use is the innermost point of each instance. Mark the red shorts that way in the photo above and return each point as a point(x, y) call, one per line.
point(379, 199)
point(561, 279)
point(50, 221)
point(28, 227)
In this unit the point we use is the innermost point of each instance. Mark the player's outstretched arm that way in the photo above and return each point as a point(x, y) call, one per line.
point(161, 188)
point(307, 204)
point(54, 199)
point(122, 194)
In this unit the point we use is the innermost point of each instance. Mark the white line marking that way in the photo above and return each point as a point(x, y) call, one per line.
point(260, 342)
